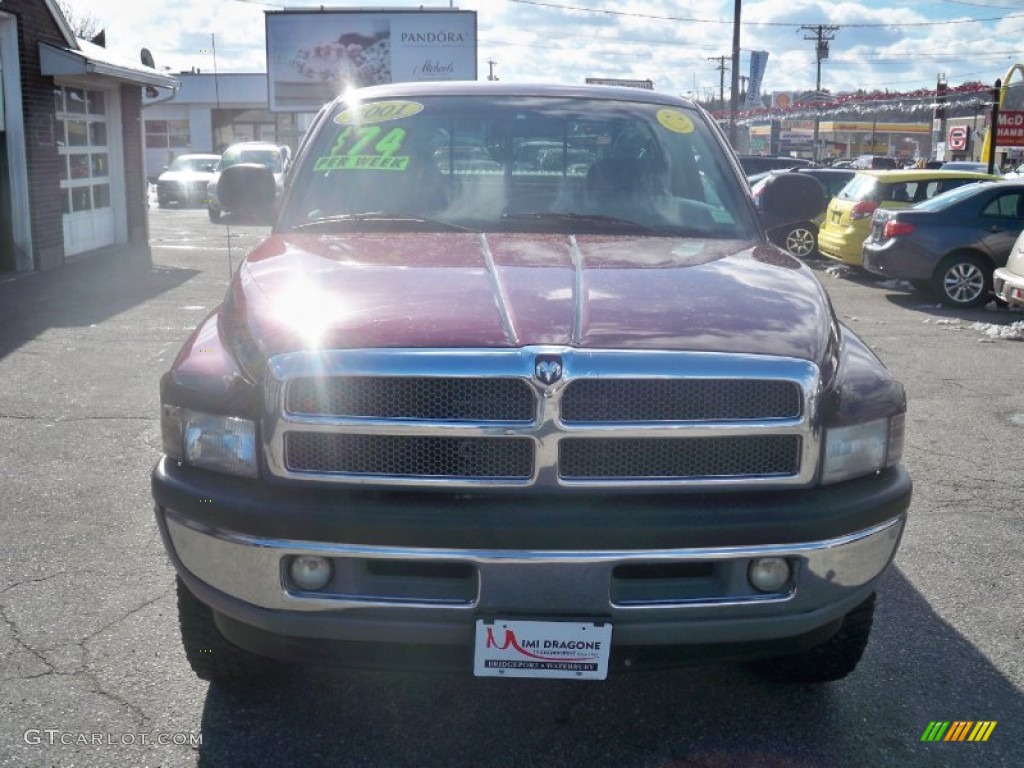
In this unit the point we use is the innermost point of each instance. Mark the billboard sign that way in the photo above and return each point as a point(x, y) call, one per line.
point(313, 56)
point(1011, 129)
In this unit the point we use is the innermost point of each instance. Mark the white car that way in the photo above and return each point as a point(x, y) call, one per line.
point(185, 180)
point(1008, 281)
point(260, 152)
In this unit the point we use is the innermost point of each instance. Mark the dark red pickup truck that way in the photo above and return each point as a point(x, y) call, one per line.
point(517, 385)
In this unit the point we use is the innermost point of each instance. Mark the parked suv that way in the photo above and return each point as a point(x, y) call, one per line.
point(271, 156)
point(184, 181)
point(847, 221)
point(800, 238)
point(522, 421)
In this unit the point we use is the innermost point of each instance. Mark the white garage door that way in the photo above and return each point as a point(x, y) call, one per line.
point(82, 138)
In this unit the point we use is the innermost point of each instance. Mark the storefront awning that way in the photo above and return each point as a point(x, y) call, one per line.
point(92, 59)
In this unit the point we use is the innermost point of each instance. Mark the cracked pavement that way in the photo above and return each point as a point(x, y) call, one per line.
point(89, 646)
point(88, 635)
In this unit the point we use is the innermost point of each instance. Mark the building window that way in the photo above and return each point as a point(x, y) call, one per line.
point(167, 134)
point(82, 144)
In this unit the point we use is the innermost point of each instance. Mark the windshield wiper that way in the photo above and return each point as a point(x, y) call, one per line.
point(382, 217)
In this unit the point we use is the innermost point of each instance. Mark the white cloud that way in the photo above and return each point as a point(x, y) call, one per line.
point(538, 43)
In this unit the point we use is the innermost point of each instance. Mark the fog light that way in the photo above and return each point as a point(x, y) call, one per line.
point(769, 574)
point(310, 573)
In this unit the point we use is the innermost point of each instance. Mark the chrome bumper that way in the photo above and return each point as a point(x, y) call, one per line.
point(1008, 286)
point(709, 602)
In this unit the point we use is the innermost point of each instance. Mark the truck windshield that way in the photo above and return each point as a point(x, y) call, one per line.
point(537, 164)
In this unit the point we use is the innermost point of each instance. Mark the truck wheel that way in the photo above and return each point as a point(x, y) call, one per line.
point(832, 660)
point(211, 656)
point(214, 213)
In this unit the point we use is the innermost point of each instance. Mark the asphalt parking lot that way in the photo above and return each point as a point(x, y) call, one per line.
point(91, 668)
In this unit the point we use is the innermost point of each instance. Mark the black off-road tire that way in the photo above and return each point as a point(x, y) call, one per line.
point(830, 661)
point(213, 213)
point(212, 656)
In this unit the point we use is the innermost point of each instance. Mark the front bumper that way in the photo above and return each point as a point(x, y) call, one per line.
point(182, 193)
point(419, 569)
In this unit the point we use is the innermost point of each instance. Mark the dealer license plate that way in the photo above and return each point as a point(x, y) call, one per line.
point(547, 649)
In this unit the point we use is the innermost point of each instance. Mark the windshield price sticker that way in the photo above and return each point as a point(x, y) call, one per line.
point(378, 112)
point(350, 150)
point(545, 649)
point(347, 163)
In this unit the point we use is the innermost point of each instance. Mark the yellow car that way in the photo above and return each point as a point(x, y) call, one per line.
point(848, 217)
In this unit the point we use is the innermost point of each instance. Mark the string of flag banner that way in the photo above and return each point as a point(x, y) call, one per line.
point(976, 96)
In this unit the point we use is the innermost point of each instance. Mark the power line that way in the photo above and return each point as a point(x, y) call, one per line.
point(839, 57)
point(691, 19)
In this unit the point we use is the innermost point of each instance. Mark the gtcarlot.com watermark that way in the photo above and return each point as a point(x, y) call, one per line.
point(50, 737)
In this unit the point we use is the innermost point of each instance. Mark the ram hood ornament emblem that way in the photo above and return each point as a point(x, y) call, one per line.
point(548, 369)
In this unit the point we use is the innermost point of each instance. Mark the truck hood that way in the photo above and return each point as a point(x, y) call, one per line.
point(508, 290)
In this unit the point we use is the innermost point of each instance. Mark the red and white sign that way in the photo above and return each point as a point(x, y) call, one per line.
point(1011, 129)
point(551, 649)
point(958, 138)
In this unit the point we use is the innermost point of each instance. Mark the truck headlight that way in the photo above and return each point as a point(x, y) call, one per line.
point(221, 443)
point(861, 449)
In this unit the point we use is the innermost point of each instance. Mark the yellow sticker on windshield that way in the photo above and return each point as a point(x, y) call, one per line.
point(378, 112)
point(675, 121)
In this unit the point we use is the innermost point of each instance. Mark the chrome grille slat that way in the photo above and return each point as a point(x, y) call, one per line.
point(473, 418)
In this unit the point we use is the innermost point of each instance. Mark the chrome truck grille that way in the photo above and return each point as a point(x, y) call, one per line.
point(541, 416)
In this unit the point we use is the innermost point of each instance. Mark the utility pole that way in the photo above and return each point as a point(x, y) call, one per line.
point(939, 118)
point(821, 34)
point(993, 130)
point(735, 72)
point(721, 80)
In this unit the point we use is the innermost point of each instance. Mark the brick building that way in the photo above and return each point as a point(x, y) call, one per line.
point(72, 175)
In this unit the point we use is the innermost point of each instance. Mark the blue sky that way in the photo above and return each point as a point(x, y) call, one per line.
point(902, 45)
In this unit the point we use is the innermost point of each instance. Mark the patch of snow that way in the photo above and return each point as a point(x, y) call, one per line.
point(838, 270)
point(1011, 332)
point(896, 285)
